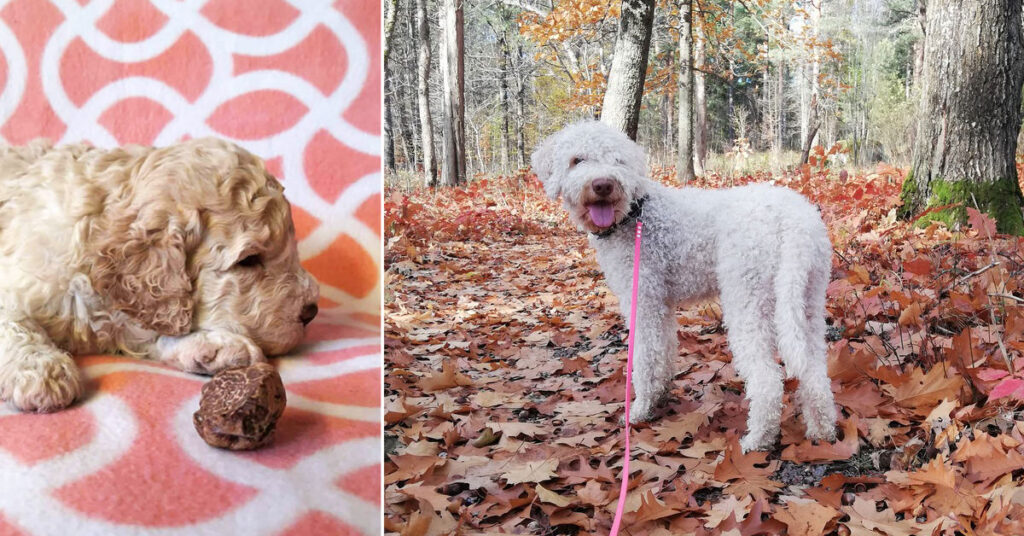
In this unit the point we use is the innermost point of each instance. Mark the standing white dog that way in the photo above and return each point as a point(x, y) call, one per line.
point(764, 250)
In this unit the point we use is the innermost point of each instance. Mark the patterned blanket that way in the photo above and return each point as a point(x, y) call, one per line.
point(297, 83)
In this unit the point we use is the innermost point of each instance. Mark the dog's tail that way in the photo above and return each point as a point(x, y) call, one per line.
point(800, 284)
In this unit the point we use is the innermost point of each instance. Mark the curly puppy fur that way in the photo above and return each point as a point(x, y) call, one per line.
point(762, 249)
point(184, 254)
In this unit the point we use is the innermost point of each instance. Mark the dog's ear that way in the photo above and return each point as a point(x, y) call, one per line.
point(543, 163)
point(140, 267)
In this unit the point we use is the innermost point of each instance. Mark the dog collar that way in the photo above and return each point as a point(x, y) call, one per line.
point(636, 209)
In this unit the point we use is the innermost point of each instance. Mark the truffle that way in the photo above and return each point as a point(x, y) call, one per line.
point(240, 406)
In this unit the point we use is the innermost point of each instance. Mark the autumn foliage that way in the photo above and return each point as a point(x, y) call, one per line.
point(504, 384)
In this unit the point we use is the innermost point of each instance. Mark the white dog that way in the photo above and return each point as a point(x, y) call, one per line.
point(184, 254)
point(764, 250)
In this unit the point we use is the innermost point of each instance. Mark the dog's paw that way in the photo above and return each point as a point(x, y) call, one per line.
point(46, 382)
point(207, 352)
point(639, 412)
point(752, 442)
point(821, 431)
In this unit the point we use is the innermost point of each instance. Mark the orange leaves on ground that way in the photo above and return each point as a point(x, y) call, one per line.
point(747, 474)
point(504, 385)
point(802, 516)
point(921, 390)
point(823, 451)
point(444, 379)
point(536, 471)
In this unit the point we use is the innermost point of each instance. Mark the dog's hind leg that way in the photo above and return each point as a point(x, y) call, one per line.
point(751, 342)
point(800, 315)
point(35, 375)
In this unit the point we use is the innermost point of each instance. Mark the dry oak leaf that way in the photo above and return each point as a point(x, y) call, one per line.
point(651, 509)
point(592, 493)
point(922, 391)
point(411, 466)
point(550, 497)
point(426, 494)
point(807, 451)
point(722, 509)
point(951, 494)
point(866, 520)
point(911, 315)
point(805, 516)
point(862, 398)
point(445, 379)
point(753, 525)
point(742, 476)
point(986, 458)
point(513, 429)
point(536, 471)
point(686, 426)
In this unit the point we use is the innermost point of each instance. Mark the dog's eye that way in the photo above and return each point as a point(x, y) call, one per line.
point(575, 160)
point(250, 261)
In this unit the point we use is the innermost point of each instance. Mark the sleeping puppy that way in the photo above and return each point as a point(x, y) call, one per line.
point(184, 254)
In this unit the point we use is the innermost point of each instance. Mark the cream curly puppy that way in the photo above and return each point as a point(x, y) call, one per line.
point(764, 250)
point(184, 254)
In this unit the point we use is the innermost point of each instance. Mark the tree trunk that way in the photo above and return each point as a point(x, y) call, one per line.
point(506, 107)
point(402, 128)
point(520, 110)
point(423, 94)
point(684, 161)
point(813, 123)
point(969, 114)
point(700, 103)
point(389, 98)
point(621, 107)
point(453, 172)
point(407, 119)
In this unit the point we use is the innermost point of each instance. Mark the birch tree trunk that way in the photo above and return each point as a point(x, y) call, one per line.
point(389, 96)
point(700, 103)
point(520, 109)
point(423, 93)
point(621, 107)
point(684, 161)
point(969, 114)
point(453, 172)
point(506, 107)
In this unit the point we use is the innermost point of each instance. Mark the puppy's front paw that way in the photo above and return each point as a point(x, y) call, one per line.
point(44, 382)
point(207, 352)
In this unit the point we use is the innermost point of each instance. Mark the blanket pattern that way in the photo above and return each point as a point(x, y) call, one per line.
point(297, 83)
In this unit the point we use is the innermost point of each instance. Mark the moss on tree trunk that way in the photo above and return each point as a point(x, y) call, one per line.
point(969, 115)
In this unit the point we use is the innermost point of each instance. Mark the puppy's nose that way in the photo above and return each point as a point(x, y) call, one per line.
point(308, 313)
point(602, 187)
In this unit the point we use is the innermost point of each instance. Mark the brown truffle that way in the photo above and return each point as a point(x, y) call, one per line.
point(240, 406)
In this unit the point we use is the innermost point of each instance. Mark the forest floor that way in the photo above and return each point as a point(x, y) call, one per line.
point(505, 354)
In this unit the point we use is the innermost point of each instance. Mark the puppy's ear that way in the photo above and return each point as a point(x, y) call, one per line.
point(543, 163)
point(140, 267)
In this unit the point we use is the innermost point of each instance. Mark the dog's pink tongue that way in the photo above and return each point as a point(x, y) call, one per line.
point(602, 215)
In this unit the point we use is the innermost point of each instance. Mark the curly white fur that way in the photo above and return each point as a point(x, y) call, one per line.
point(763, 249)
point(184, 254)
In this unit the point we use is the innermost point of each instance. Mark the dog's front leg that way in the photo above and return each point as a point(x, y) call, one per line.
point(655, 347)
point(207, 351)
point(35, 375)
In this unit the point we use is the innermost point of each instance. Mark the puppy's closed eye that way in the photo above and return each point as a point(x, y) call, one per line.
point(250, 261)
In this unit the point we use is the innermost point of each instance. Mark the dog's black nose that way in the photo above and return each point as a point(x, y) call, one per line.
point(308, 313)
point(603, 187)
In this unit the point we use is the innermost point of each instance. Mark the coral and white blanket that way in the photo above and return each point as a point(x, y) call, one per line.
point(297, 83)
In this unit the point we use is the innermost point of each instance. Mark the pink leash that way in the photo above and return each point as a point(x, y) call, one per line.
point(629, 375)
